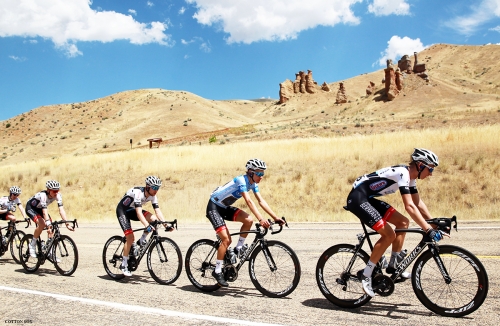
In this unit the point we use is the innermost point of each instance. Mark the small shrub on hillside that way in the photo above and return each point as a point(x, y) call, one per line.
point(7, 125)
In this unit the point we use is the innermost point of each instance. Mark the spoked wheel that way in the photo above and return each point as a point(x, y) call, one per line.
point(30, 264)
point(15, 243)
point(64, 255)
point(460, 296)
point(200, 263)
point(275, 273)
point(165, 261)
point(112, 257)
point(339, 285)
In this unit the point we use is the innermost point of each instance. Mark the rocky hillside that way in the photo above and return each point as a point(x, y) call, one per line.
point(463, 88)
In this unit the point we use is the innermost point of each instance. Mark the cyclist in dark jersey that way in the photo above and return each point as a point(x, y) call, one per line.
point(376, 213)
point(8, 205)
point(36, 209)
point(130, 208)
point(219, 209)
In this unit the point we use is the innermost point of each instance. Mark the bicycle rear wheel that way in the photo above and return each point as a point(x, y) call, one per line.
point(165, 261)
point(15, 243)
point(112, 257)
point(200, 263)
point(338, 284)
point(30, 264)
point(276, 272)
point(466, 291)
point(64, 255)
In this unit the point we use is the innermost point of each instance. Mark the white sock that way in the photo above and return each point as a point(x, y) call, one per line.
point(125, 260)
point(33, 241)
point(367, 272)
point(218, 266)
point(241, 242)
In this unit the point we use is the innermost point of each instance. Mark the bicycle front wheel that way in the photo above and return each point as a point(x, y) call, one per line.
point(466, 291)
point(15, 243)
point(200, 263)
point(30, 264)
point(275, 272)
point(64, 255)
point(112, 257)
point(339, 284)
point(165, 261)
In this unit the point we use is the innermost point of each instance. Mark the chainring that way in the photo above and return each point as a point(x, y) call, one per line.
point(230, 273)
point(383, 285)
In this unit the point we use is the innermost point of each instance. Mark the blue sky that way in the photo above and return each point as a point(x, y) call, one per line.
point(66, 51)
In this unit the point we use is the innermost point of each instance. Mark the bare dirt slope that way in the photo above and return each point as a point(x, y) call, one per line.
point(463, 88)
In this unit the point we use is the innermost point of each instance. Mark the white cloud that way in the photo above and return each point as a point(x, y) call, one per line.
point(16, 58)
point(389, 7)
point(67, 22)
point(206, 47)
point(480, 14)
point(150, 4)
point(186, 57)
point(496, 29)
point(271, 20)
point(182, 10)
point(183, 41)
point(397, 47)
point(133, 12)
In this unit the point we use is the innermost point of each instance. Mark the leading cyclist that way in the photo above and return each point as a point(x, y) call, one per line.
point(376, 213)
point(130, 208)
point(8, 205)
point(219, 209)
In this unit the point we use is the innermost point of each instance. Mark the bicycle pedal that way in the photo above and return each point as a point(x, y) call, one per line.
point(400, 280)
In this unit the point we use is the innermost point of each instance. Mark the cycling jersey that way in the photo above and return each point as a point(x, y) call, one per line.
point(227, 194)
point(125, 211)
point(40, 201)
point(5, 202)
point(361, 200)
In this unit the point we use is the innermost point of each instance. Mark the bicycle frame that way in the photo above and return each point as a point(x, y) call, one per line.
point(442, 224)
point(14, 229)
point(56, 235)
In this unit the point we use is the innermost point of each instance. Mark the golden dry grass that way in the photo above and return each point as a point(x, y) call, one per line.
point(307, 179)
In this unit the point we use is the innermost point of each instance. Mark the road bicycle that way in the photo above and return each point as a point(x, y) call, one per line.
point(13, 240)
point(446, 279)
point(60, 250)
point(164, 257)
point(274, 267)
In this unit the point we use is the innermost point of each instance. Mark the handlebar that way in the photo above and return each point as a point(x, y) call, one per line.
point(74, 222)
point(263, 230)
point(444, 223)
point(169, 226)
point(27, 221)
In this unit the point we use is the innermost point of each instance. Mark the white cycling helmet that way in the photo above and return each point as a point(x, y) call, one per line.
point(256, 164)
point(15, 190)
point(52, 185)
point(425, 156)
point(153, 181)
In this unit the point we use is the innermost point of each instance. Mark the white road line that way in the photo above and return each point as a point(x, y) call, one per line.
point(139, 309)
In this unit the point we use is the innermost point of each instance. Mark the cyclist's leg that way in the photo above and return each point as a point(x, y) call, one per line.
point(246, 220)
point(124, 218)
point(400, 222)
point(150, 218)
point(11, 219)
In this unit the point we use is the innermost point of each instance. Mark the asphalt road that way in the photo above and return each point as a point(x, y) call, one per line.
point(90, 297)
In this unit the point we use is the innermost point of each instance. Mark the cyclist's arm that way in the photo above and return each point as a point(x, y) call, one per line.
point(414, 212)
point(421, 206)
point(159, 214)
point(141, 217)
point(62, 212)
point(21, 208)
point(265, 206)
point(251, 205)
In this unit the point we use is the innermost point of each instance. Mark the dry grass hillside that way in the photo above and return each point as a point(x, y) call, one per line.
point(464, 89)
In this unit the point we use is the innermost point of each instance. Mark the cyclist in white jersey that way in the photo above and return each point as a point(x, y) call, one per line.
point(36, 209)
point(376, 213)
point(219, 209)
point(8, 205)
point(130, 208)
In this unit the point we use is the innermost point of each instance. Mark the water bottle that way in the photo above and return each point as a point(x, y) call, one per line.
point(231, 256)
point(4, 240)
point(401, 256)
point(134, 251)
point(383, 262)
point(42, 243)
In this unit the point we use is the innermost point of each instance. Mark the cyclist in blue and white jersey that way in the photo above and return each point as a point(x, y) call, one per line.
point(375, 213)
point(8, 205)
point(130, 208)
point(36, 209)
point(219, 209)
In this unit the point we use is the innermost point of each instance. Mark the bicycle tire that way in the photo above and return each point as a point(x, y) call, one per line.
point(112, 257)
point(164, 261)
point(331, 268)
point(286, 277)
point(198, 270)
point(15, 243)
point(467, 290)
point(64, 249)
point(30, 264)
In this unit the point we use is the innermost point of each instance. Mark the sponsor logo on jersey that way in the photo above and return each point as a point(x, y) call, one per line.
point(378, 185)
point(127, 201)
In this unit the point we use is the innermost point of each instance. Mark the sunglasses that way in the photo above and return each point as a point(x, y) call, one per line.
point(54, 191)
point(259, 174)
point(155, 187)
point(15, 195)
point(430, 168)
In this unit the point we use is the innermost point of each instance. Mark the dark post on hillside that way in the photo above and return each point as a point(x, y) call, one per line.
point(130, 143)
